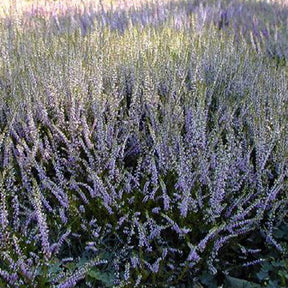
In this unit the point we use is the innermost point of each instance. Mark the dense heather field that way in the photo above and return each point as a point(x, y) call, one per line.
point(144, 144)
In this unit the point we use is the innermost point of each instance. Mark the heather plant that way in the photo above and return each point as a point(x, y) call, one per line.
point(143, 150)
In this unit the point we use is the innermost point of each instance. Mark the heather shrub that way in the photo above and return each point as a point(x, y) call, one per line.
point(153, 155)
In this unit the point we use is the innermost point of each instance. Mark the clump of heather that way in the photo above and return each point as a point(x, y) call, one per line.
point(140, 154)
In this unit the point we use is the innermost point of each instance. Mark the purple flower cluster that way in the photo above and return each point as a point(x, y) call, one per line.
point(151, 141)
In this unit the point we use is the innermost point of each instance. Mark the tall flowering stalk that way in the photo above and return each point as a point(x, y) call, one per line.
point(41, 220)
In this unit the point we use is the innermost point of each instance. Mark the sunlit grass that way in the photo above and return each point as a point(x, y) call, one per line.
point(46, 8)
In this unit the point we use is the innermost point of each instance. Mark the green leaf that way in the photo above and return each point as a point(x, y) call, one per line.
point(54, 268)
point(266, 266)
point(231, 282)
point(278, 263)
point(273, 284)
point(208, 280)
point(70, 266)
point(283, 274)
point(281, 232)
point(104, 277)
point(82, 261)
point(262, 275)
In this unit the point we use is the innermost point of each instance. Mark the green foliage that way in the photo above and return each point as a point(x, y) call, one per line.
point(105, 278)
point(274, 271)
point(239, 283)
